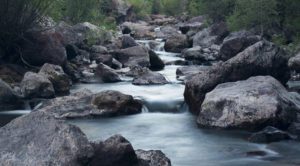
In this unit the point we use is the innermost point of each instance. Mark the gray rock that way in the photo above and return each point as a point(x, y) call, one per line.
point(149, 78)
point(128, 42)
point(294, 63)
point(156, 63)
point(39, 139)
point(166, 32)
point(99, 49)
point(61, 82)
point(102, 58)
point(194, 24)
point(85, 104)
point(139, 30)
point(211, 35)
point(186, 72)
point(116, 64)
point(199, 54)
point(114, 151)
point(133, 56)
point(152, 158)
point(237, 42)
point(106, 74)
point(113, 103)
point(251, 104)
point(44, 47)
point(268, 135)
point(176, 43)
point(262, 58)
point(36, 86)
point(8, 98)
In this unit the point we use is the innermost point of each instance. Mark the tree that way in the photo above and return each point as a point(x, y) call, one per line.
point(260, 14)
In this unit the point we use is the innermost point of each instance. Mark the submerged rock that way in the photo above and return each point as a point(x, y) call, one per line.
point(36, 85)
point(85, 104)
point(39, 139)
point(262, 58)
point(152, 158)
point(61, 82)
point(268, 135)
point(251, 104)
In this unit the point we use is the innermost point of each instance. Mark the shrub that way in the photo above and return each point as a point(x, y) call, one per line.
point(16, 18)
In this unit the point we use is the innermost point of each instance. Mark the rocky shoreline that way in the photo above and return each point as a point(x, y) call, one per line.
point(232, 80)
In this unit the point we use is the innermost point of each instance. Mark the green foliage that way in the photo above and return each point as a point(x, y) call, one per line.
point(254, 13)
point(215, 9)
point(16, 18)
point(156, 7)
point(172, 7)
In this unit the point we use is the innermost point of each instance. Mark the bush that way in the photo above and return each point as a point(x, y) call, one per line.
point(173, 7)
point(142, 8)
point(16, 18)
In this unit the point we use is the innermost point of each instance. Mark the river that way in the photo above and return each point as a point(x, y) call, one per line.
point(166, 124)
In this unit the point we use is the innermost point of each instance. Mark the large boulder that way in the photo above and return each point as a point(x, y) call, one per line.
point(152, 158)
point(176, 43)
point(237, 42)
point(114, 151)
point(251, 104)
point(211, 35)
point(39, 139)
point(61, 81)
point(36, 85)
point(262, 58)
point(82, 33)
point(86, 104)
point(294, 63)
point(106, 74)
point(133, 56)
point(44, 47)
point(8, 98)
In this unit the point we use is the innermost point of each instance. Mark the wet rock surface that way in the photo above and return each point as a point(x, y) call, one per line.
point(36, 85)
point(85, 104)
point(262, 58)
point(249, 104)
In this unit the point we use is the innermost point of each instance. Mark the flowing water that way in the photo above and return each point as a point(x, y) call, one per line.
point(166, 125)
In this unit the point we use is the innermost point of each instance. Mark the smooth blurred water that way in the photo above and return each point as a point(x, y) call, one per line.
point(185, 144)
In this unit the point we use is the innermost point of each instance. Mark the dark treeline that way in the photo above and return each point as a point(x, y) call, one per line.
point(277, 19)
